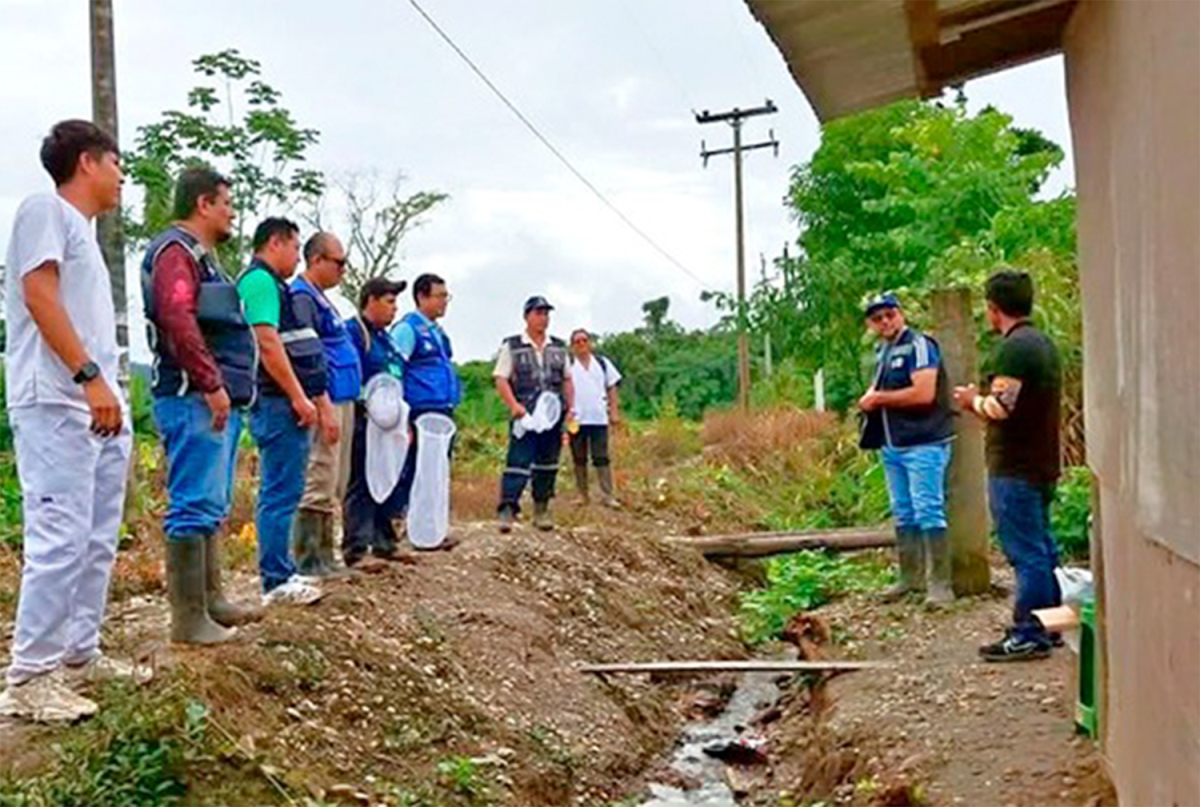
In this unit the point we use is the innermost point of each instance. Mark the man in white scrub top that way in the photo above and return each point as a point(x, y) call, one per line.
point(71, 427)
point(597, 404)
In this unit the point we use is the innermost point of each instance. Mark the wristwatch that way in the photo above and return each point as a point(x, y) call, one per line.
point(87, 372)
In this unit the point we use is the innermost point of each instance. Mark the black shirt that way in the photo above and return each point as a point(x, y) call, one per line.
point(1026, 444)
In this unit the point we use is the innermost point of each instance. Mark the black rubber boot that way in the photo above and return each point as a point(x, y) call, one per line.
point(541, 516)
point(220, 609)
point(941, 569)
point(910, 553)
point(190, 622)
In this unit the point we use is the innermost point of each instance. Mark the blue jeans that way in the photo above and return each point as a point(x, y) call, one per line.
point(1021, 513)
point(199, 465)
point(916, 480)
point(283, 458)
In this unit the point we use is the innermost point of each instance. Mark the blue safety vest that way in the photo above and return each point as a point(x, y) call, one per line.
point(343, 371)
point(430, 380)
point(302, 344)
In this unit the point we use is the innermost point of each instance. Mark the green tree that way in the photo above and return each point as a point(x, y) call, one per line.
point(235, 122)
point(885, 199)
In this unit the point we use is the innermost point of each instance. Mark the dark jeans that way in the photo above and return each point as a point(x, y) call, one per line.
point(283, 448)
point(199, 464)
point(368, 524)
point(404, 489)
point(1021, 513)
point(590, 440)
point(533, 456)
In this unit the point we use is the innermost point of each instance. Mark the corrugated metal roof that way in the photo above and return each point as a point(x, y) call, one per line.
point(850, 55)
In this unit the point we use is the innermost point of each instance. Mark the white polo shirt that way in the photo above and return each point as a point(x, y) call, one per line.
point(49, 228)
point(592, 384)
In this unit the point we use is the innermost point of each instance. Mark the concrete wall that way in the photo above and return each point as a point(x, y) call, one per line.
point(1133, 79)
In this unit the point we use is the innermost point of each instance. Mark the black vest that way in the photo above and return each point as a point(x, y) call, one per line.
point(219, 315)
point(902, 427)
point(302, 343)
point(529, 378)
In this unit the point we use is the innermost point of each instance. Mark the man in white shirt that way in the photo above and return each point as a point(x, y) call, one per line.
point(597, 404)
point(71, 428)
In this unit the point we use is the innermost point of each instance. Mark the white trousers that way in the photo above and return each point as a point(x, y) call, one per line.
point(73, 484)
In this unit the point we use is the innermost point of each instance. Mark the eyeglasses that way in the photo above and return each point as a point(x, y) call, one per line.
point(341, 262)
point(884, 315)
point(442, 295)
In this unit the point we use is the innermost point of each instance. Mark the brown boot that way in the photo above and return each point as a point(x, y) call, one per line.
point(605, 475)
point(541, 516)
point(581, 483)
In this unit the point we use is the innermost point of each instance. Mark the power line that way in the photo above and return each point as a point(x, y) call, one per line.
point(545, 142)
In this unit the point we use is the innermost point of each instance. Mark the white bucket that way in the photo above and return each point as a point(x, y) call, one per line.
point(429, 505)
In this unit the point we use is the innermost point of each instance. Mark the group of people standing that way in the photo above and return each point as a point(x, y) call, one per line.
point(908, 417)
point(269, 351)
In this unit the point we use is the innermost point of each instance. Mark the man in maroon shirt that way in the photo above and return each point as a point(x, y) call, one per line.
point(204, 371)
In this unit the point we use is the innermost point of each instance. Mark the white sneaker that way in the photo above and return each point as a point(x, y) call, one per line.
point(45, 699)
point(104, 668)
point(295, 591)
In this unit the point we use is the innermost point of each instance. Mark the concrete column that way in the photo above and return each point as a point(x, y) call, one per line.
point(970, 527)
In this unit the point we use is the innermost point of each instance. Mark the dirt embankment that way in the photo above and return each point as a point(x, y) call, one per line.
point(396, 677)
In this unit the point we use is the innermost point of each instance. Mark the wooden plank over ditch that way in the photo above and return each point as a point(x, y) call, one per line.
point(732, 666)
point(763, 544)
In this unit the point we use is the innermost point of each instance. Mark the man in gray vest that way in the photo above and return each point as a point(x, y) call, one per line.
point(528, 365)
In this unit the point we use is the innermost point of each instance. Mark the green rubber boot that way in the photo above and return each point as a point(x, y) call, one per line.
point(306, 538)
point(941, 568)
point(541, 516)
point(220, 609)
point(190, 622)
point(910, 553)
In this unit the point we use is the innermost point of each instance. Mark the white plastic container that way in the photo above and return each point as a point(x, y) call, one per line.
point(545, 414)
point(429, 504)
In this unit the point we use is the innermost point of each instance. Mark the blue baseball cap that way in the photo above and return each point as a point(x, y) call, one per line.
point(537, 301)
point(885, 300)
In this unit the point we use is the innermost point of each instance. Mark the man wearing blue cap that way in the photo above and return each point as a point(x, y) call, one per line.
point(908, 417)
point(529, 365)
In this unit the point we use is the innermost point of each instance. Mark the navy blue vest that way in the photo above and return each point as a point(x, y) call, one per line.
point(530, 379)
point(219, 315)
point(341, 359)
point(303, 345)
point(430, 381)
point(902, 427)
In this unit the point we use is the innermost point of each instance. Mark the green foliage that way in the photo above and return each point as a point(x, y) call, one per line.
point(235, 122)
point(801, 582)
point(464, 777)
point(136, 751)
point(11, 502)
point(1071, 515)
point(911, 197)
point(662, 364)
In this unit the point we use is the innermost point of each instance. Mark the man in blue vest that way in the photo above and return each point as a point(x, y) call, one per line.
point(292, 399)
point(203, 379)
point(329, 461)
point(369, 538)
point(908, 417)
point(529, 364)
point(430, 380)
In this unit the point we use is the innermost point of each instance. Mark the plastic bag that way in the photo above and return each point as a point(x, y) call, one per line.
point(546, 412)
point(1075, 584)
point(429, 505)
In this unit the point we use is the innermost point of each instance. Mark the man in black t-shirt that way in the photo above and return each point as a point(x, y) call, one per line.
point(1021, 410)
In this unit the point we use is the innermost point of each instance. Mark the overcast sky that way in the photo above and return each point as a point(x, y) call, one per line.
point(612, 83)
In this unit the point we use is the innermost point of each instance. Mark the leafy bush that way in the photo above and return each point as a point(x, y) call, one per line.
point(134, 752)
point(801, 582)
point(1071, 516)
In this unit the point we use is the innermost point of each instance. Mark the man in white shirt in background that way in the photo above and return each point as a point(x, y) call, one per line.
point(71, 427)
point(597, 404)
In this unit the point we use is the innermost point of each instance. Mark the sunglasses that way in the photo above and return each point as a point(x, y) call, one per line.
point(341, 262)
point(884, 315)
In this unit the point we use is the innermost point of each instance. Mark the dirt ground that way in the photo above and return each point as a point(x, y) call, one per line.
point(939, 726)
point(471, 654)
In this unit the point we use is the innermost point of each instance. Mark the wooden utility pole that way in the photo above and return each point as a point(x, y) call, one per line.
point(104, 114)
point(966, 504)
point(734, 118)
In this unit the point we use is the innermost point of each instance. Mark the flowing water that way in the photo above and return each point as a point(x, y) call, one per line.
point(755, 691)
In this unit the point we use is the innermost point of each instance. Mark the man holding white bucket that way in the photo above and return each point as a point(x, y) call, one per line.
point(529, 366)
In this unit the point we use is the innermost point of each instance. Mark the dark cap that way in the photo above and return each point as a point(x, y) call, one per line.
point(537, 301)
point(379, 286)
point(885, 300)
